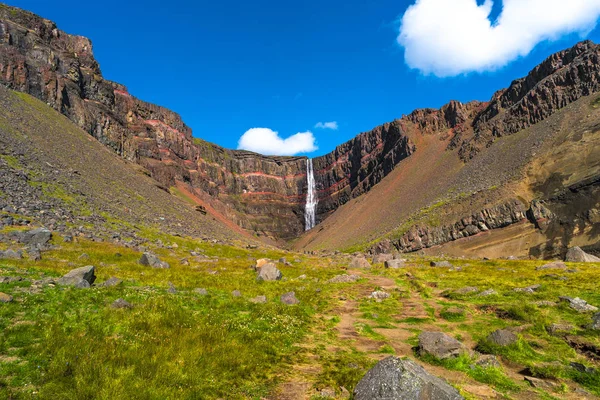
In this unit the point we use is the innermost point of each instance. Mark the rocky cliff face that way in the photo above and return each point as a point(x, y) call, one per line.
point(260, 193)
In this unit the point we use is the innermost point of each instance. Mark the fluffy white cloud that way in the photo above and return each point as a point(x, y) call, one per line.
point(267, 141)
point(333, 125)
point(448, 38)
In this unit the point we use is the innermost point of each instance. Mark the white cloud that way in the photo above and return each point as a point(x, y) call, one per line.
point(448, 38)
point(333, 125)
point(267, 141)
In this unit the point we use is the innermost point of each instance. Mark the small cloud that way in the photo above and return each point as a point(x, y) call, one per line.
point(267, 141)
point(333, 125)
point(449, 38)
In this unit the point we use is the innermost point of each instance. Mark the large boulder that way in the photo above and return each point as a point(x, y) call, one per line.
point(439, 345)
point(502, 337)
point(575, 254)
point(359, 262)
point(578, 304)
point(269, 272)
point(394, 378)
point(11, 254)
point(153, 261)
point(82, 277)
point(36, 237)
point(394, 264)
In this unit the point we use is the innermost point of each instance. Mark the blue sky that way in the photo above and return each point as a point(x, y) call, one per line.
point(230, 66)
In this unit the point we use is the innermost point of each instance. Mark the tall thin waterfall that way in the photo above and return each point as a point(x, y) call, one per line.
point(310, 215)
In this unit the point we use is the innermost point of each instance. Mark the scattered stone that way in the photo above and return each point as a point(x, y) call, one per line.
point(201, 291)
point(236, 293)
point(595, 322)
point(67, 238)
point(359, 262)
point(552, 265)
point(394, 264)
point(10, 279)
point(153, 261)
point(82, 277)
point(5, 298)
point(34, 254)
point(394, 378)
point(489, 292)
point(575, 254)
point(289, 298)
point(282, 260)
point(528, 289)
point(269, 272)
point(559, 329)
point(488, 361)
point(439, 345)
point(379, 296)
point(11, 254)
point(467, 290)
point(121, 303)
point(185, 262)
point(441, 264)
point(578, 304)
point(502, 337)
point(344, 279)
point(259, 300)
point(172, 289)
point(111, 282)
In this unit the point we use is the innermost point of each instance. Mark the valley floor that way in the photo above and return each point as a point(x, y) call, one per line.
point(198, 330)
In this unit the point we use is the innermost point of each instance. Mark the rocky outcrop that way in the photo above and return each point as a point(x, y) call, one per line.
point(420, 236)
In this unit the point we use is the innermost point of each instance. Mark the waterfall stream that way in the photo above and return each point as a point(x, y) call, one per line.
point(310, 213)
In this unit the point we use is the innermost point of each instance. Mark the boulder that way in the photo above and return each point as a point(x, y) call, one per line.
point(201, 291)
point(441, 264)
point(82, 277)
point(121, 303)
point(439, 345)
point(36, 237)
point(11, 254)
point(552, 265)
point(153, 261)
point(575, 254)
point(559, 329)
point(5, 298)
point(467, 290)
point(395, 378)
point(488, 361)
point(259, 300)
point(110, 282)
point(394, 264)
point(359, 262)
point(489, 292)
point(289, 298)
point(528, 289)
point(344, 279)
point(578, 304)
point(383, 257)
point(595, 322)
point(379, 296)
point(502, 337)
point(269, 272)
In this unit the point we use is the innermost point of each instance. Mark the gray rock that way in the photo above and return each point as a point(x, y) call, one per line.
point(528, 289)
point(82, 277)
point(153, 261)
point(578, 304)
point(34, 254)
point(552, 265)
point(172, 289)
point(439, 345)
point(379, 296)
point(559, 329)
point(575, 254)
point(381, 258)
point(394, 378)
point(236, 293)
point(488, 361)
point(595, 322)
point(489, 292)
point(467, 290)
point(269, 272)
point(11, 254)
point(344, 279)
point(121, 303)
point(201, 291)
point(110, 282)
point(359, 263)
point(289, 298)
point(394, 264)
point(502, 337)
point(36, 237)
point(67, 238)
point(259, 300)
point(5, 298)
point(441, 264)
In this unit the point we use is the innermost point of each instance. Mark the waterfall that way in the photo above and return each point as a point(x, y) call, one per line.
point(310, 214)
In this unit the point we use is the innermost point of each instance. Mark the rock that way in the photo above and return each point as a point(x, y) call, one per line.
point(379, 296)
point(37, 237)
point(201, 291)
point(34, 254)
point(111, 282)
point(489, 292)
point(259, 300)
point(559, 329)
point(439, 345)
point(578, 304)
point(269, 272)
point(582, 368)
point(84, 256)
point(260, 262)
point(381, 258)
point(11, 254)
point(595, 322)
point(441, 264)
point(344, 279)
point(5, 298)
point(82, 277)
point(467, 290)
point(541, 383)
point(359, 262)
point(236, 293)
point(540, 215)
point(327, 393)
point(575, 254)
point(289, 298)
point(121, 303)
point(67, 238)
point(394, 264)
point(544, 303)
point(488, 361)
point(502, 337)
point(393, 378)
point(528, 289)
point(552, 265)
point(153, 261)
point(172, 289)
